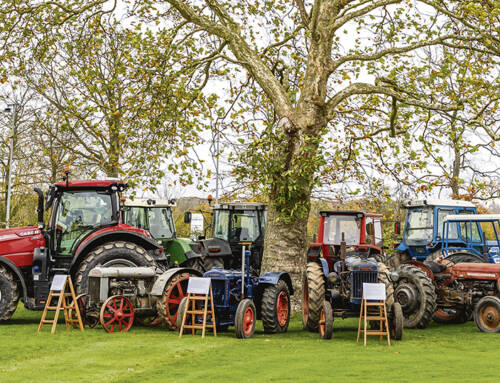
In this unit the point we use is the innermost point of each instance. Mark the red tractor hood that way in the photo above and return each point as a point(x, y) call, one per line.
point(18, 244)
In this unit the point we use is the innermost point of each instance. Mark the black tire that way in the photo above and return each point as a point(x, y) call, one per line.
point(314, 295)
point(180, 312)
point(396, 323)
point(415, 292)
point(244, 320)
point(465, 258)
point(204, 264)
point(384, 276)
point(9, 294)
point(325, 324)
point(487, 314)
point(119, 253)
point(449, 316)
point(275, 308)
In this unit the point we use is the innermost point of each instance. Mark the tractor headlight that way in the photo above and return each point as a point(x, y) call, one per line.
point(394, 276)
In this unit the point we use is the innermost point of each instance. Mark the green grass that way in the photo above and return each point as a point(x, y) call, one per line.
point(438, 353)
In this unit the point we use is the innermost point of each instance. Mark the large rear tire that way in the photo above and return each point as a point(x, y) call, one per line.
point(384, 277)
point(415, 292)
point(314, 295)
point(117, 254)
point(275, 308)
point(204, 264)
point(9, 294)
point(465, 258)
point(487, 314)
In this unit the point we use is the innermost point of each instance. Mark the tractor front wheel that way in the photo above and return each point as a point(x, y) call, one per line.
point(244, 320)
point(487, 314)
point(117, 314)
point(275, 309)
point(326, 321)
point(9, 294)
point(396, 322)
point(314, 295)
point(116, 254)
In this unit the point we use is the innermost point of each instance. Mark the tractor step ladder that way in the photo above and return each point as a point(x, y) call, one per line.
point(66, 300)
point(373, 299)
point(201, 295)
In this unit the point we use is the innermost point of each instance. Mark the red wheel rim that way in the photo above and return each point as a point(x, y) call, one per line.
point(282, 308)
point(305, 302)
point(174, 297)
point(117, 314)
point(248, 319)
point(489, 317)
point(322, 321)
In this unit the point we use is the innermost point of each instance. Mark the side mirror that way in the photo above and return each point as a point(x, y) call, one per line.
point(397, 228)
point(187, 217)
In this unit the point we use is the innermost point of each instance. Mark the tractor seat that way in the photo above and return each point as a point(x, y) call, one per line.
point(436, 268)
point(477, 267)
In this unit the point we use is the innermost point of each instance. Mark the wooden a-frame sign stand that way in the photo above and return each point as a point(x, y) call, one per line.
point(58, 288)
point(197, 293)
point(374, 297)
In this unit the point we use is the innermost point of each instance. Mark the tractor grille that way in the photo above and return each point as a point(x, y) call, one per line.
point(357, 280)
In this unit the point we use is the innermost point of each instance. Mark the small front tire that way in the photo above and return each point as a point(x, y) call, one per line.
point(326, 321)
point(244, 321)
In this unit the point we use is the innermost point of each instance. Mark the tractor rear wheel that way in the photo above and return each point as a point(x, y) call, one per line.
point(116, 254)
point(384, 277)
point(487, 314)
point(465, 258)
point(244, 320)
point(204, 264)
point(173, 293)
point(275, 308)
point(415, 292)
point(314, 295)
point(326, 321)
point(9, 294)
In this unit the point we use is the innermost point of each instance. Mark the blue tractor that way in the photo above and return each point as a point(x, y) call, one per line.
point(423, 229)
point(241, 298)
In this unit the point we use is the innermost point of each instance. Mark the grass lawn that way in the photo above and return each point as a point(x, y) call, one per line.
point(438, 353)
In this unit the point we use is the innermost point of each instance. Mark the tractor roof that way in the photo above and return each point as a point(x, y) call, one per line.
point(240, 206)
point(91, 184)
point(149, 202)
point(360, 214)
point(439, 202)
point(472, 217)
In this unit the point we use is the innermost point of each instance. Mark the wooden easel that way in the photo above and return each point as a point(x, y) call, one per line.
point(366, 315)
point(192, 310)
point(60, 284)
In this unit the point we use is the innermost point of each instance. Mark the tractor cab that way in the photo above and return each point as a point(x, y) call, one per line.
point(423, 227)
point(238, 222)
point(362, 234)
point(471, 238)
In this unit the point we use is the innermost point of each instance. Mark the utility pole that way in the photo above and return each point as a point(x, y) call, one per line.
point(10, 109)
point(217, 142)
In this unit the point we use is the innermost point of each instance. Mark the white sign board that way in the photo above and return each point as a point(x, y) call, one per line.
point(198, 285)
point(374, 291)
point(196, 225)
point(58, 282)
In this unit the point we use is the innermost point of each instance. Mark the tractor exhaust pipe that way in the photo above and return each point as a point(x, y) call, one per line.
point(39, 209)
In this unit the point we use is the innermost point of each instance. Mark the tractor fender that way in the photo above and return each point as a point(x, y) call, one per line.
point(272, 278)
point(98, 239)
point(324, 266)
point(162, 280)
point(11, 266)
point(314, 251)
point(422, 267)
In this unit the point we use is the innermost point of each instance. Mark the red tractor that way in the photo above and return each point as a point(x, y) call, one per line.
point(408, 284)
point(84, 230)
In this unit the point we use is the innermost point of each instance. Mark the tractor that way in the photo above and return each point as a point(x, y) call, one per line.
point(238, 222)
point(84, 230)
point(334, 276)
point(241, 298)
point(423, 229)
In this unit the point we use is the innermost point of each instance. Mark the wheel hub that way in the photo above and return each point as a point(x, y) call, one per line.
point(491, 317)
point(407, 295)
point(282, 309)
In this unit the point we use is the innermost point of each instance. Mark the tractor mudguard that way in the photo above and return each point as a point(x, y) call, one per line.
point(314, 251)
point(107, 236)
point(402, 247)
point(179, 250)
point(324, 266)
point(9, 265)
point(272, 278)
point(159, 285)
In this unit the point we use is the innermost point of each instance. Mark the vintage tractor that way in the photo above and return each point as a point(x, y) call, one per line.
point(413, 289)
point(423, 229)
point(241, 298)
point(237, 222)
point(334, 276)
point(84, 230)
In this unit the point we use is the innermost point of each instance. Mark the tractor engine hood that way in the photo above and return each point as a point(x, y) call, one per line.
point(18, 244)
point(218, 273)
point(357, 263)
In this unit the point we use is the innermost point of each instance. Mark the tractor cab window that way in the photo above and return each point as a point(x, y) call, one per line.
point(221, 224)
point(453, 227)
point(244, 226)
point(161, 224)
point(469, 231)
point(377, 226)
point(419, 226)
point(78, 213)
point(136, 216)
point(335, 225)
point(369, 230)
